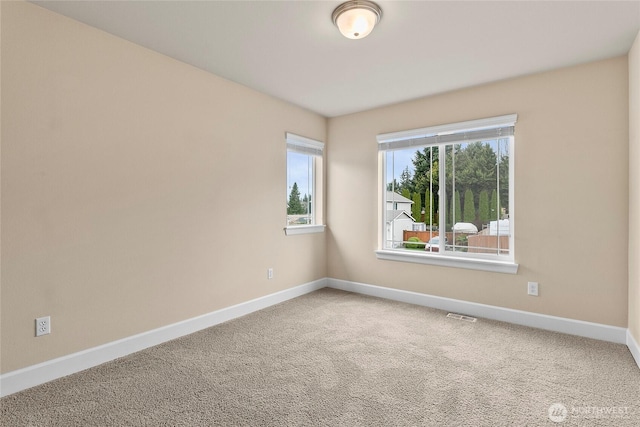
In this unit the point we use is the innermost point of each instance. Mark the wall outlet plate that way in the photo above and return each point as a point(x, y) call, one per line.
point(532, 288)
point(43, 326)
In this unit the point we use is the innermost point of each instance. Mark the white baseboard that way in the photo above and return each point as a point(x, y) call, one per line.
point(519, 317)
point(41, 373)
point(634, 348)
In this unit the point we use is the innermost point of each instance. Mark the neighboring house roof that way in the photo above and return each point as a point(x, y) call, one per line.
point(395, 197)
point(393, 215)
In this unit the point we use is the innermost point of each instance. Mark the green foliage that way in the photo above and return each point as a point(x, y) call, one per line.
point(415, 243)
point(405, 186)
point(469, 207)
point(503, 180)
point(475, 167)
point(461, 243)
point(425, 163)
point(462, 240)
point(430, 215)
point(295, 206)
point(483, 207)
point(406, 180)
point(481, 167)
point(306, 203)
point(494, 208)
point(416, 208)
point(456, 209)
point(426, 176)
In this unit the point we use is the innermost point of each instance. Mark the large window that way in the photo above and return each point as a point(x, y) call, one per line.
point(304, 185)
point(448, 195)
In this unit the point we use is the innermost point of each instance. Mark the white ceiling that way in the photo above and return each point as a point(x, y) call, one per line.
point(291, 49)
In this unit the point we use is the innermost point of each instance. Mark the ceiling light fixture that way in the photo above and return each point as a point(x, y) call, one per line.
point(356, 18)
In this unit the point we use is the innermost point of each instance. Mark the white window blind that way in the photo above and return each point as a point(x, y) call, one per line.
point(474, 130)
point(302, 145)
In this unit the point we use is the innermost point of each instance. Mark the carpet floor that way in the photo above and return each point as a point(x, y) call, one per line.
point(333, 358)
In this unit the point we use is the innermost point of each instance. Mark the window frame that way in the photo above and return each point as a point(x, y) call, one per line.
point(451, 133)
point(315, 149)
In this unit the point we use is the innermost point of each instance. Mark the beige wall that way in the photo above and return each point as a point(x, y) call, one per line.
point(571, 190)
point(119, 166)
point(634, 190)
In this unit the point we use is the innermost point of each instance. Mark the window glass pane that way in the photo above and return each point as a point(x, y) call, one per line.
point(474, 218)
point(477, 193)
point(411, 212)
point(300, 188)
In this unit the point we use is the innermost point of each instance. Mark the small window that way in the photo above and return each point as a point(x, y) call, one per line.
point(304, 185)
point(448, 195)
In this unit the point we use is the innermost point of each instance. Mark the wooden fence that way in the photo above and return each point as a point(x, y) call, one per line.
point(483, 244)
point(476, 243)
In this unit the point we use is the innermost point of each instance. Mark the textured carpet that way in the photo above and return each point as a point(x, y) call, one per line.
point(334, 358)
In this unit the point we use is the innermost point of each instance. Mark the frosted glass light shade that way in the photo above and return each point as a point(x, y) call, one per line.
point(356, 18)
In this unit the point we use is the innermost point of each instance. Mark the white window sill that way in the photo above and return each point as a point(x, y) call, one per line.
point(495, 266)
point(303, 229)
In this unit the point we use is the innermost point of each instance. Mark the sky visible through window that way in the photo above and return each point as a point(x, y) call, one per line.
point(401, 160)
point(299, 171)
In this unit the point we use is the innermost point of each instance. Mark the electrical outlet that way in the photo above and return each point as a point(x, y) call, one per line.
point(532, 288)
point(43, 326)
point(270, 273)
